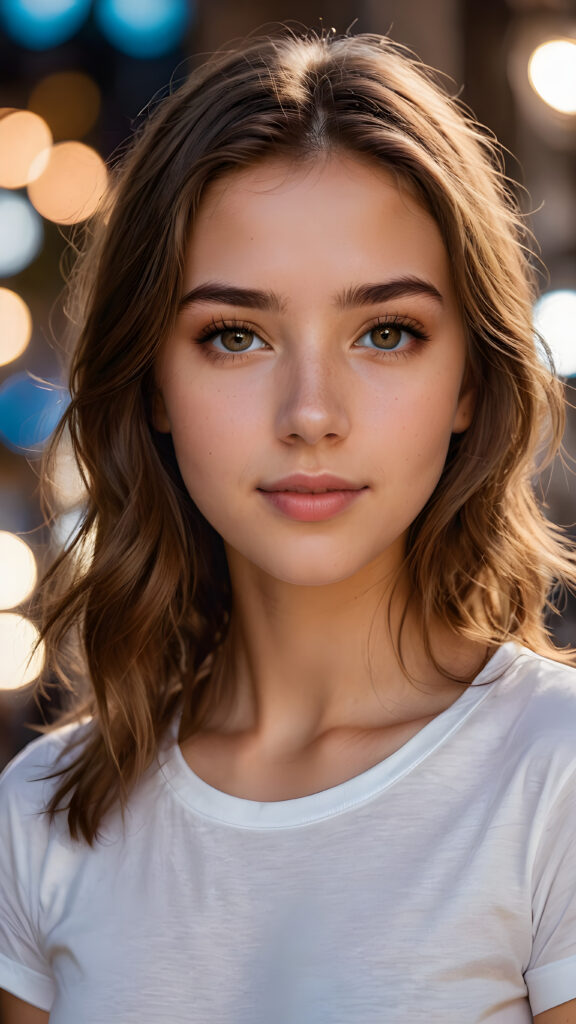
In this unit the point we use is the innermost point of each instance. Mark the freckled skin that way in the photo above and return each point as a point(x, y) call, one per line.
point(310, 397)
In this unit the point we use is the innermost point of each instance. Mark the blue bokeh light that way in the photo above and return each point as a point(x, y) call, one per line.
point(30, 410)
point(146, 28)
point(41, 24)
point(21, 233)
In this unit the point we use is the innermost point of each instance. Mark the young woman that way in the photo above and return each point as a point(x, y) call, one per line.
point(323, 768)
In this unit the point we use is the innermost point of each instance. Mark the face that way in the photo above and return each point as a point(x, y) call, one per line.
point(316, 372)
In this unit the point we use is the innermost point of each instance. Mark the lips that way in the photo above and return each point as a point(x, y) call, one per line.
point(311, 498)
point(302, 483)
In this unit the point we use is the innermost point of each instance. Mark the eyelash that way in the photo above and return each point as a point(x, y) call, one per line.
point(412, 327)
point(214, 328)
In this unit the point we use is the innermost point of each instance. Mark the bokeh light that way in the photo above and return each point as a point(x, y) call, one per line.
point(41, 24)
point(17, 638)
point(552, 74)
point(555, 320)
point(69, 101)
point(72, 185)
point(18, 572)
point(68, 489)
point(25, 141)
point(29, 412)
point(21, 233)
point(15, 325)
point(148, 28)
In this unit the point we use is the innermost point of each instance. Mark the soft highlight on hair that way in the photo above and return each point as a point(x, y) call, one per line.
point(137, 606)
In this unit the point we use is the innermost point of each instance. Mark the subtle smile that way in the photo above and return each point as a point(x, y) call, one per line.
point(311, 499)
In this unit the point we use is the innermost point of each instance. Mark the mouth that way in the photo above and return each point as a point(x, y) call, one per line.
point(300, 483)
point(308, 499)
point(308, 490)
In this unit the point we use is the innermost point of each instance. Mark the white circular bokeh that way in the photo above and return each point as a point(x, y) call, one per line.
point(552, 73)
point(18, 571)
point(18, 666)
point(555, 320)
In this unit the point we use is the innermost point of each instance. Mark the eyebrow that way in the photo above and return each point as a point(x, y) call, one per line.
point(252, 298)
point(358, 295)
point(369, 294)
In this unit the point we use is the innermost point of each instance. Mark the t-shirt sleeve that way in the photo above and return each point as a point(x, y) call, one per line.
point(551, 973)
point(24, 970)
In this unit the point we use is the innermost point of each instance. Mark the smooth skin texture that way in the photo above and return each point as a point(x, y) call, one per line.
point(15, 1011)
point(563, 1014)
point(314, 394)
point(297, 266)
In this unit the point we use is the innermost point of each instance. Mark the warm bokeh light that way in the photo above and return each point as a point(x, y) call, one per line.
point(552, 74)
point(67, 485)
point(15, 325)
point(17, 638)
point(21, 233)
point(25, 141)
point(555, 320)
point(18, 572)
point(72, 185)
point(69, 101)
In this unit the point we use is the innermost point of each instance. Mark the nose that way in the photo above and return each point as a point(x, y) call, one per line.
point(313, 405)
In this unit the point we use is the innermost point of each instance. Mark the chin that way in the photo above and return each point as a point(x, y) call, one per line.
point(312, 572)
point(318, 562)
point(310, 579)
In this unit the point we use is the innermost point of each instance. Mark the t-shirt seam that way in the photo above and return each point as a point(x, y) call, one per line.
point(545, 968)
point(343, 808)
point(19, 965)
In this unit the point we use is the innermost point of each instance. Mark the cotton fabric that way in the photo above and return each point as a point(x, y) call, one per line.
point(438, 886)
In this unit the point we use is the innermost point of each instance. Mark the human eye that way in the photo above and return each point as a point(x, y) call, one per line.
point(393, 335)
point(228, 338)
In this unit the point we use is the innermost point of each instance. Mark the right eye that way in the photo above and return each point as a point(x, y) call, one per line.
point(231, 338)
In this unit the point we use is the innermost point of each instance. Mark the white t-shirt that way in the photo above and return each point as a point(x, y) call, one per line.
point(438, 886)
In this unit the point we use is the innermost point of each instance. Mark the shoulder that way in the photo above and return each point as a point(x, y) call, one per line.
point(537, 682)
point(534, 705)
point(28, 781)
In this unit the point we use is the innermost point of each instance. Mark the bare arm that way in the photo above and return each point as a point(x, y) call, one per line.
point(15, 1011)
point(563, 1014)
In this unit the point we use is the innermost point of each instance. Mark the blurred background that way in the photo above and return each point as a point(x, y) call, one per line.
point(76, 75)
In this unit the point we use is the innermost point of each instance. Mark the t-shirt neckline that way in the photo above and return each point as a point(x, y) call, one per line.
point(213, 803)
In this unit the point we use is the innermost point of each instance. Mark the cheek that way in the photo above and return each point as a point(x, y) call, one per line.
point(411, 456)
point(416, 423)
point(210, 444)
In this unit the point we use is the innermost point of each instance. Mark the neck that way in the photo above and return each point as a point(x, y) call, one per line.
point(310, 660)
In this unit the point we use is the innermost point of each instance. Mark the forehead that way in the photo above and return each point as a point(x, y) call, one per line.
point(340, 213)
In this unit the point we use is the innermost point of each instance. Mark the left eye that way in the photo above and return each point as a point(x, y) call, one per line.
point(386, 337)
point(236, 339)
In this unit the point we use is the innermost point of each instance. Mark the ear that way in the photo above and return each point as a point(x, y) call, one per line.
point(160, 419)
point(464, 410)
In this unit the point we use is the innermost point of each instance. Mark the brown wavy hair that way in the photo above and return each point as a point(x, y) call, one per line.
point(136, 607)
